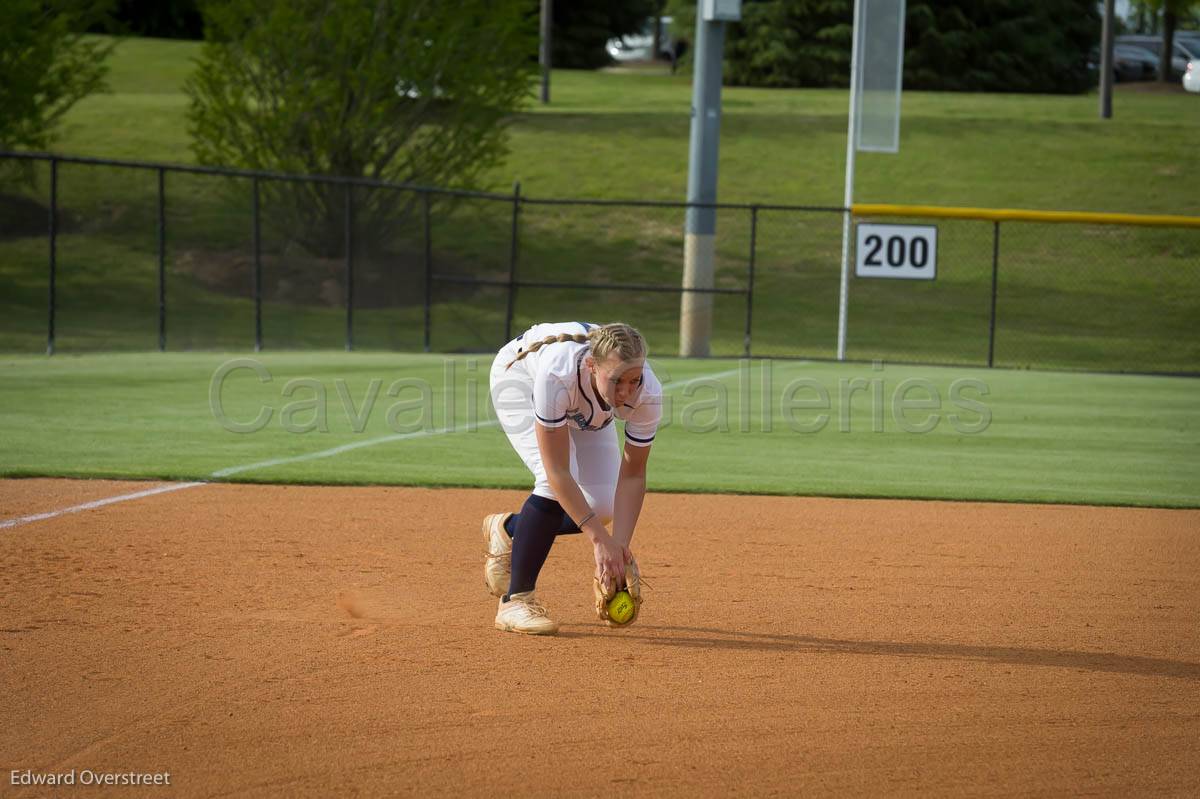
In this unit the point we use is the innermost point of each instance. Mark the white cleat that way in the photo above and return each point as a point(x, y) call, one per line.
point(497, 564)
point(522, 614)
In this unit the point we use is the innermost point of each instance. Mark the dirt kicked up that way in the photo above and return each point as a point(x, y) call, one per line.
point(294, 641)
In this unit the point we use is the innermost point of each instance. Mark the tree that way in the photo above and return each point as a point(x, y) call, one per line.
point(793, 43)
point(46, 66)
point(970, 45)
point(410, 91)
point(163, 19)
point(1172, 12)
point(1000, 45)
point(581, 27)
point(780, 42)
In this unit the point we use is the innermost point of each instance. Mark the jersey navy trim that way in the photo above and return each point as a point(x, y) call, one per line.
point(582, 393)
point(549, 421)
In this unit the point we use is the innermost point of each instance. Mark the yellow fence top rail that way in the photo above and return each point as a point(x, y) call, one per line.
point(1016, 215)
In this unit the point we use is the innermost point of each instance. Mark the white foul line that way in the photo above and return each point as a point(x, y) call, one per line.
point(326, 453)
point(99, 503)
point(329, 453)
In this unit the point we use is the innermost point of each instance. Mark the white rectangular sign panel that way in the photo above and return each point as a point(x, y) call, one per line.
point(879, 75)
point(908, 252)
point(721, 10)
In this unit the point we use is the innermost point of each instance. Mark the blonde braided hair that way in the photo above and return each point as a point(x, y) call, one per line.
point(618, 337)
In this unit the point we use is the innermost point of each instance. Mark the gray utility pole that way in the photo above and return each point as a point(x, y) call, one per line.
point(699, 248)
point(547, 32)
point(1106, 62)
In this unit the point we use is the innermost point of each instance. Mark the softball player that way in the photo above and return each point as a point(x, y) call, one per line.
point(556, 389)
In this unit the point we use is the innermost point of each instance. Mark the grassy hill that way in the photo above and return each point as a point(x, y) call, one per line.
point(1098, 298)
point(624, 135)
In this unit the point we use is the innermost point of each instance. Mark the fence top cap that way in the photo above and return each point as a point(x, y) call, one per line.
point(1019, 215)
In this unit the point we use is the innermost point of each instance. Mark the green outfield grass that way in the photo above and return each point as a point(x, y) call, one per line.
point(625, 135)
point(1053, 437)
point(1069, 296)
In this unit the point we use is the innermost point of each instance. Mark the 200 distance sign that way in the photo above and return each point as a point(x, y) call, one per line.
point(908, 252)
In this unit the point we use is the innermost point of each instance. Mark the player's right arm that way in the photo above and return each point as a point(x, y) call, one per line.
point(555, 446)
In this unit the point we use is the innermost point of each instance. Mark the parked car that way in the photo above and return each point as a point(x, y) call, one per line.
point(1130, 62)
point(640, 46)
point(1136, 60)
point(1180, 55)
point(1191, 46)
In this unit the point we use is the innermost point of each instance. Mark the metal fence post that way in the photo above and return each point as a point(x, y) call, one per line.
point(52, 299)
point(995, 274)
point(349, 267)
point(750, 281)
point(512, 263)
point(428, 271)
point(162, 260)
point(257, 270)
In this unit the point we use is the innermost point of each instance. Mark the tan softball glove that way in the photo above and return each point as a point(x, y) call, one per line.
point(606, 589)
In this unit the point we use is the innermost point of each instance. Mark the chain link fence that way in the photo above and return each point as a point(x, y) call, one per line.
point(100, 255)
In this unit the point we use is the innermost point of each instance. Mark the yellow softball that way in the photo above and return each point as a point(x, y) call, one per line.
point(620, 607)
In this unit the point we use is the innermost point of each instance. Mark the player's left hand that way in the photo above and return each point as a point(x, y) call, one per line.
point(611, 560)
point(605, 587)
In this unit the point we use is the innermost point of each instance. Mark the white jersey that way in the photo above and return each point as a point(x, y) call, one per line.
point(562, 386)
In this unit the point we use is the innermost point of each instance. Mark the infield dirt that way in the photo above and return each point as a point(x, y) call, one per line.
point(297, 641)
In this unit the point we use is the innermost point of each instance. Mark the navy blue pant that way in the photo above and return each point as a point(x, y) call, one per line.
point(533, 531)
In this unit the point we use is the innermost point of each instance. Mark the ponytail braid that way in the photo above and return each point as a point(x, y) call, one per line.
point(578, 338)
point(604, 340)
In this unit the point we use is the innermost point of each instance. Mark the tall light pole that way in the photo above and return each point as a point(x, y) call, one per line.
point(1106, 62)
point(699, 248)
point(547, 33)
